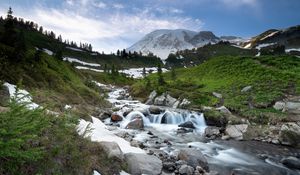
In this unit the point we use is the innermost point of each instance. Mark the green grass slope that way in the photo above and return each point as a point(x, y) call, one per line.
point(271, 78)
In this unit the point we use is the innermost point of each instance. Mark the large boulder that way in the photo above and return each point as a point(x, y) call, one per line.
point(223, 110)
point(170, 101)
point(187, 124)
point(112, 150)
point(193, 158)
point(291, 162)
point(155, 110)
point(290, 134)
point(143, 164)
point(280, 105)
point(160, 100)
point(151, 98)
point(136, 123)
point(184, 103)
point(212, 131)
point(4, 96)
point(236, 131)
point(292, 107)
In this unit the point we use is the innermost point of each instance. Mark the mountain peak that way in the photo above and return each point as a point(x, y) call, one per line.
point(162, 42)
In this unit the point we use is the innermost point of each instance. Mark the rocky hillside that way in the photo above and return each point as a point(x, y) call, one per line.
point(289, 37)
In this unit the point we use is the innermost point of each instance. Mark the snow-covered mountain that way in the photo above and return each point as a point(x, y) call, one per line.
point(163, 42)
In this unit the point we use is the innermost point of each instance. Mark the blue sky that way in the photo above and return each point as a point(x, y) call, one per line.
point(113, 24)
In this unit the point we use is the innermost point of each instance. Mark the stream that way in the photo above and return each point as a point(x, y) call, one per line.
point(162, 135)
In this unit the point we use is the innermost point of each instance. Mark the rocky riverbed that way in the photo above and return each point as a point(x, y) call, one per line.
point(166, 140)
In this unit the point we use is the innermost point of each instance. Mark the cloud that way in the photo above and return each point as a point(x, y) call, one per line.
point(238, 3)
point(100, 4)
point(109, 31)
point(118, 6)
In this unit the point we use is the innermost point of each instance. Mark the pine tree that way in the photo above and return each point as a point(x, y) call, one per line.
point(105, 68)
point(9, 35)
point(173, 73)
point(144, 72)
point(20, 47)
point(161, 80)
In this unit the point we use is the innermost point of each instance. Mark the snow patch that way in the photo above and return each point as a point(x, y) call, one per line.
point(292, 49)
point(138, 72)
point(88, 68)
point(264, 45)
point(98, 131)
point(96, 172)
point(67, 107)
point(271, 34)
point(49, 52)
point(21, 96)
point(75, 49)
point(248, 46)
point(71, 60)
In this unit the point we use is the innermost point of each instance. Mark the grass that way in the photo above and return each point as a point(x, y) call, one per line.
point(271, 77)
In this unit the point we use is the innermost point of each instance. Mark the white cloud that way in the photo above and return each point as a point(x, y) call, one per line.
point(99, 4)
point(118, 6)
point(237, 3)
point(108, 32)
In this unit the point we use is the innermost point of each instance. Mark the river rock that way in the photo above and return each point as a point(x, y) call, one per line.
point(236, 131)
point(212, 131)
point(112, 149)
point(155, 110)
point(187, 124)
point(279, 105)
point(290, 134)
point(292, 107)
point(116, 118)
point(143, 164)
point(291, 162)
point(4, 95)
point(136, 123)
point(193, 158)
point(169, 166)
point(186, 170)
point(151, 98)
point(223, 110)
point(246, 89)
point(217, 95)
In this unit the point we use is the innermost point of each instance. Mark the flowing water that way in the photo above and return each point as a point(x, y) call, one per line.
point(225, 157)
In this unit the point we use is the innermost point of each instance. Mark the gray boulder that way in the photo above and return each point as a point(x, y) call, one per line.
point(292, 107)
point(291, 162)
point(236, 131)
point(160, 100)
point(185, 102)
point(290, 134)
point(193, 158)
point(151, 98)
point(155, 110)
point(212, 131)
point(280, 105)
point(136, 123)
point(186, 170)
point(223, 110)
point(112, 149)
point(187, 124)
point(170, 101)
point(143, 164)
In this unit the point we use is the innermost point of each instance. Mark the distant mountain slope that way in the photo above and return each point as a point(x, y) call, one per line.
point(289, 37)
point(163, 42)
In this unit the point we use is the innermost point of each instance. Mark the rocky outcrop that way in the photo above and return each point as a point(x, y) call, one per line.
point(184, 103)
point(236, 131)
point(223, 110)
point(155, 110)
point(112, 149)
point(136, 123)
point(193, 158)
point(290, 105)
point(166, 100)
point(143, 164)
point(4, 95)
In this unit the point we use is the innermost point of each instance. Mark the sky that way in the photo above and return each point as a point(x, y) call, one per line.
point(115, 24)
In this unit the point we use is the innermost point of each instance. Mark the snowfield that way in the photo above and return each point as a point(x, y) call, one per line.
point(71, 60)
point(292, 49)
point(49, 52)
point(98, 131)
point(138, 72)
